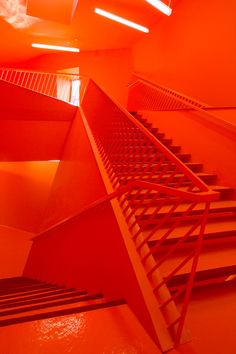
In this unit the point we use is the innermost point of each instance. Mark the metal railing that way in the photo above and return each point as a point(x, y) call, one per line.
point(64, 87)
point(146, 95)
point(156, 192)
point(129, 150)
point(163, 195)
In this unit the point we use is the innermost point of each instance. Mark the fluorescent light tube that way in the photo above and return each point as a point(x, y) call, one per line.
point(158, 4)
point(55, 47)
point(121, 20)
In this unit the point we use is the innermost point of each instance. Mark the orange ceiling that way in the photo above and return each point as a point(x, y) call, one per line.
point(86, 30)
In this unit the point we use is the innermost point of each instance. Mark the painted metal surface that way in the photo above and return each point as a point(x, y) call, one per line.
point(131, 153)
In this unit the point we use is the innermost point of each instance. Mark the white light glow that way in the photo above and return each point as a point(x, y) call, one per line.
point(160, 6)
point(121, 20)
point(14, 12)
point(55, 47)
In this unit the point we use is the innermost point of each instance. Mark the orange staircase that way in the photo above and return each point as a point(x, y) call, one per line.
point(181, 222)
point(174, 222)
point(217, 261)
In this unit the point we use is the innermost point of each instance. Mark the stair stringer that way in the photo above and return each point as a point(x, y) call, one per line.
point(158, 320)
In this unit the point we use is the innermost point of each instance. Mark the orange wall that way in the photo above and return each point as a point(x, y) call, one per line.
point(110, 68)
point(227, 115)
point(29, 105)
point(24, 190)
point(207, 144)
point(25, 140)
point(193, 51)
point(14, 249)
point(78, 181)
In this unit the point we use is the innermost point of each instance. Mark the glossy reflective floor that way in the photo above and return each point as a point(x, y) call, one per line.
point(107, 331)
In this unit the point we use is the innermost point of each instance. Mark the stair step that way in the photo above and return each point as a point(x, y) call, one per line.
point(226, 207)
point(47, 306)
point(37, 291)
point(17, 281)
point(138, 134)
point(25, 297)
point(211, 257)
point(26, 288)
point(17, 286)
point(207, 177)
point(174, 148)
point(135, 113)
point(59, 311)
point(205, 277)
point(151, 197)
point(224, 230)
point(148, 167)
point(140, 158)
point(142, 151)
point(145, 123)
point(43, 299)
point(166, 141)
point(157, 134)
point(225, 192)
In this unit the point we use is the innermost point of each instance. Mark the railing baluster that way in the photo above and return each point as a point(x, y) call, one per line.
point(131, 154)
point(40, 82)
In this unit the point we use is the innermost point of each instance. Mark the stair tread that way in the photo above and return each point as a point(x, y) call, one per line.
point(212, 228)
point(60, 312)
point(133, 194)
point(26, 288)
point(210, 258)
point(35, 291)
point(13, 283)
point(40, 298)
point(215, 205)
point(202, 277)
point(177, 175)
point(152, 166)
point(53, 306)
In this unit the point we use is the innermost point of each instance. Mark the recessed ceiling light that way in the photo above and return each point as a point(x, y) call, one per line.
point(158, 4)
point(121, 20)
point(55, 47)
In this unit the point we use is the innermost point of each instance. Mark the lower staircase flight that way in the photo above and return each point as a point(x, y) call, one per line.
point(23, 300)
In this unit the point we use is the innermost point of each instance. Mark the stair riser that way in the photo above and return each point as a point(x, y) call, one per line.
point(176, 216)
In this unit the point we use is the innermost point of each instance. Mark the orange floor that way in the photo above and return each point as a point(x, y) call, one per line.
point(212, 321)
point(107, 331)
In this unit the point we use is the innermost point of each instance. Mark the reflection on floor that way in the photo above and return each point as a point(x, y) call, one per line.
point(105, 331)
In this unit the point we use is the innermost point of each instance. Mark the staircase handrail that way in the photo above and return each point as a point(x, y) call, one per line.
point(192, 102)
point(190, 174)
point(206, 196)
point(42, 72)
point(51, 84)
point(189, 102)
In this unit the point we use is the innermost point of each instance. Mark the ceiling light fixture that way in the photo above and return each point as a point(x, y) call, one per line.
point(121, 20)
point(158, 4)
point(55, 47)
